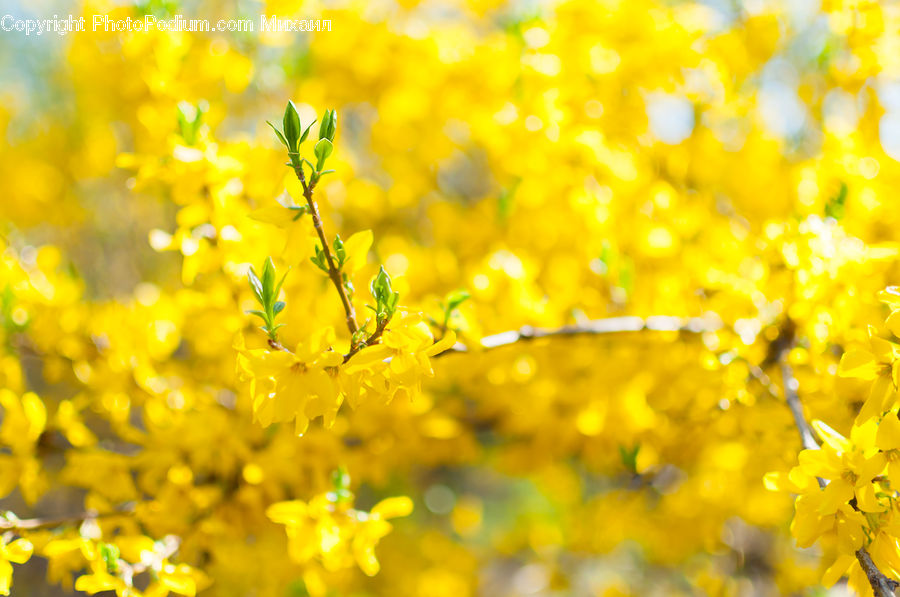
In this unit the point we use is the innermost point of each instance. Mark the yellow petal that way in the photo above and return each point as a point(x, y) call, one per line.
point(893, 323)
point(837, 570)
point(890, 296)
point(872, 467)
point(357, 249)
point(807, 525)
point(19, 551)
point(866, 500)
point(292, 512)
point(888, 436)
point(859, 364)
point(368, 357)
point(834, 496)
point(94, 583)
point(314, 583)
point(133, 548)
point(365, 557)
point(883, 350)
point(880, 396)
point(778, 481)
point(441, 345)
point(5, 576)
point(830, 436)
point(393, 507)
point(36, 414)
point(274, 214)
point(179, 581)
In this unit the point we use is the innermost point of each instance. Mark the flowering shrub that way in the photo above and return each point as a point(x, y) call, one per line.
point(574, 298)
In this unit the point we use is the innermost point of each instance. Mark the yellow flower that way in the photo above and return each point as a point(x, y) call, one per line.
point(849, 467)
point(396, 365)
point(298, 385)
point(888, 441)
point(15, 552)
point(99, 579)
point(880, 364)
point(374, 527)
point(24, 420)
point(327, 530)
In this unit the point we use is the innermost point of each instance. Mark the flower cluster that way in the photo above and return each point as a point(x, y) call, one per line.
point(313, 379)
point(327, 534)
point(848, 490)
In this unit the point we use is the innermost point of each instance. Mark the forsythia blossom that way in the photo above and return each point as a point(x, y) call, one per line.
point(12, 552)
point(328, 532)
point(847, 491)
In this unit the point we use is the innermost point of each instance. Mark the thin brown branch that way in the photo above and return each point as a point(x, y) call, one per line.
point(36, 524)
point(882, 586)
point(610, 325)
point(807, 438)
point(376, 335)
point(763, 378)
point(334, 272)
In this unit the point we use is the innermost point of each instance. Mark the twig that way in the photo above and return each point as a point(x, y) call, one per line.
point(376, 335)
point(333, 271)
point(778, 352)
point(35, 524)
point(610, 325)
point(762, 377)
point(807, 438)
point(793, 401)
point(882, 586)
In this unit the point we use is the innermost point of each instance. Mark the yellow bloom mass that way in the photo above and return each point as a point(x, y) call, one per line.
point(606, 289)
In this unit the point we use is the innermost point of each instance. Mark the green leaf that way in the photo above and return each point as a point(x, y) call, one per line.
point(456, 298)
point(835, 207)
point(268, 280)
point(319, 259)
point(305, 133)
point(339, 251)
point(280, 284)
point(301, 210)
point(110, 555)
point(291, 126)
point(348, 285)
point(256, 285)
point(280, 136)
point(505, 201)
point(385, 298)
point(629, 457)
point(322, 150)
point(340, 478)
point(328, 127)
point(190, 117)
point(266, 293)
point(381, 284)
